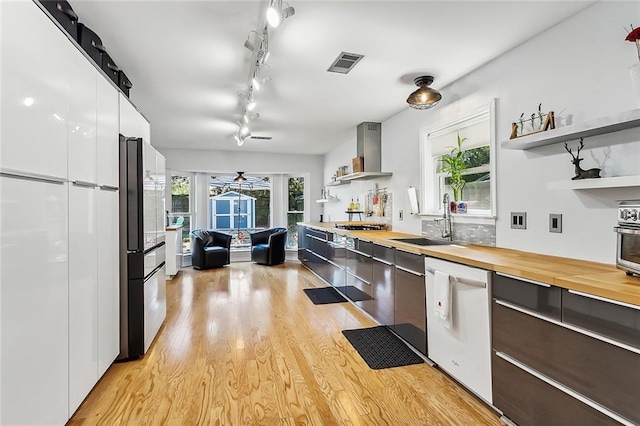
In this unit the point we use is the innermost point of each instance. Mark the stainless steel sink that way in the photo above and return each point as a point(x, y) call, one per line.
point(421, 241)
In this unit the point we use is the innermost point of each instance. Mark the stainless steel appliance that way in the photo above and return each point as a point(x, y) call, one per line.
point(628, 229)
point(142, 246)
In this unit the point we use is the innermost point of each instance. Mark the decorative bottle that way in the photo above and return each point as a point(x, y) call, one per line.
point(357, 206)
point(352, 205)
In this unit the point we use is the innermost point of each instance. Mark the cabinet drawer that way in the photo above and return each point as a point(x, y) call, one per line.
point(365, 247)
point(383, 293)
point(609, 318)
point(411, 261)
point(541, 298)
point(384, 253)
point(360, 265)
point(528, 400)
point(410, 310)
point(354, 289)
point(601, 371)
point(319, 234)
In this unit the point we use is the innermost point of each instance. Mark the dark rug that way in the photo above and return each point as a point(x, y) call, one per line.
point(324, 295)
point(354, 293)
point(380, 348)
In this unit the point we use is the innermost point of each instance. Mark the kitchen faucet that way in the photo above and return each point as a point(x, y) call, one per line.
point(446, 217)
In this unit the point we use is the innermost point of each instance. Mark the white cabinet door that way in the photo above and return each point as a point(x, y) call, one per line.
point(129, 118)
point(108, 279)
point(82, 119)
point(35, 61)
point(83, 294)
point(107, 121)
point(34, 306)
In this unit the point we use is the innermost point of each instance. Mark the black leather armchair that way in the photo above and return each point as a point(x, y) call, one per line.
point(268, 246)
point(210, 249)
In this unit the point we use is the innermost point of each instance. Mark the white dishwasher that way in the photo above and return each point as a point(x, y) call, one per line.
point(461, 343)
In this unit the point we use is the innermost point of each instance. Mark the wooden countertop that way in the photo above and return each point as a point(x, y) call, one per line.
point(598, 279)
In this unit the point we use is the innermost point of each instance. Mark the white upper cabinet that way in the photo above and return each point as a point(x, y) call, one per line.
point(35, 64)
point(132, 123)
point(82, 119)
point(128, 118)
point(107, 115)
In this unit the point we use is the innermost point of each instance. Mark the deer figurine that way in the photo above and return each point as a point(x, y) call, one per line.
point(581, 173)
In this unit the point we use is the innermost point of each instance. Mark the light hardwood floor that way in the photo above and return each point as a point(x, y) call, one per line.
point(244, 345)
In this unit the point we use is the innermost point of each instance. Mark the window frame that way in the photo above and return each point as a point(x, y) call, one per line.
point(430, 178)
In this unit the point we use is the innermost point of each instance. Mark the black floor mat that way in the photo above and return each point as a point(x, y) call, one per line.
point(380, 348)
point(324, 295)
point(354, 293)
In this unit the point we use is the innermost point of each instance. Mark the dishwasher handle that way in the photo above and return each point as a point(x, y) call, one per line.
point(466, 281)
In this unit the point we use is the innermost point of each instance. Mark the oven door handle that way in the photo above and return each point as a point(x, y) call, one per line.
point(621, 230)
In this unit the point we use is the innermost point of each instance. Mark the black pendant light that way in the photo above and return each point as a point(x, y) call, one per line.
point(240, 178)
point(425, 97)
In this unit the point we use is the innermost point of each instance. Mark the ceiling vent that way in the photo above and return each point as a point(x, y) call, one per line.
point(345, 62)
point(262, 138)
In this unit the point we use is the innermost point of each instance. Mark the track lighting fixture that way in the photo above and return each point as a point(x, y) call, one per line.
point(257, 43)
point(276, 13)
point(425, 97)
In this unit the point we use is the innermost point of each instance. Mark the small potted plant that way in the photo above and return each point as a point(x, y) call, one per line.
point(454, 165)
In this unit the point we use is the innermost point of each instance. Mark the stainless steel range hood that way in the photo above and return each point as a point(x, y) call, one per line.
point(369, 146)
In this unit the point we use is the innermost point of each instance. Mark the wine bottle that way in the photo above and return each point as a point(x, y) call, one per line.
point(357, 204)
point(352, 205)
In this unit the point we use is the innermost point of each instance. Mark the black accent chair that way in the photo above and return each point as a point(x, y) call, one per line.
point(267, 247)
point(210, 249)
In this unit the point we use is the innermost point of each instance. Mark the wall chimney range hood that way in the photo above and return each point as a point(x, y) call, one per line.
point(369, 146)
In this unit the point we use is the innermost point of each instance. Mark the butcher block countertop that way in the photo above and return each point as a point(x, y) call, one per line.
point(598, 279)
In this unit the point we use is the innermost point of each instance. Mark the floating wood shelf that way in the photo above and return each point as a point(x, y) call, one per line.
point(606, 182)
point(599, 126)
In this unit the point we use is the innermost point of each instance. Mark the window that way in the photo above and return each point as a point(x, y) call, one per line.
point(295, 211)
point(239, 208)
point(479, 158)
point(180, 213)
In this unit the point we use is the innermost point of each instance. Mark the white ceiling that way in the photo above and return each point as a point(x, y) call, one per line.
point(187, 61)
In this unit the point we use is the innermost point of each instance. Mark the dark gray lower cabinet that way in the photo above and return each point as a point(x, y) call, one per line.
point(601, 371)
point(410, 313)
point(383, 293)
point(616, 320)
point(527, 400)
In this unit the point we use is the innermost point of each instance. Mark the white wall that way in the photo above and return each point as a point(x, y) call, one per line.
point(579, 69)
point(203, 161)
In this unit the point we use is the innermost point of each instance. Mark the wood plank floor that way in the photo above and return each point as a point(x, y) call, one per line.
point(243, 345)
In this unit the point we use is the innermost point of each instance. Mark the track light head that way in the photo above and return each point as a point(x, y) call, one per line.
point(276, 14)
point(253, 45)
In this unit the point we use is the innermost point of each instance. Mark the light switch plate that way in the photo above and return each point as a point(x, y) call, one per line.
point(555, 222)
point(518, 220)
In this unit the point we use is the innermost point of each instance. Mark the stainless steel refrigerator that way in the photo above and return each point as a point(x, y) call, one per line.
point(142, 246)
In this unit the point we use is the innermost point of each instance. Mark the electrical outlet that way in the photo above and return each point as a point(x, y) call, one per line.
point(518, 220)
point(555, 222)
point(401, 215)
